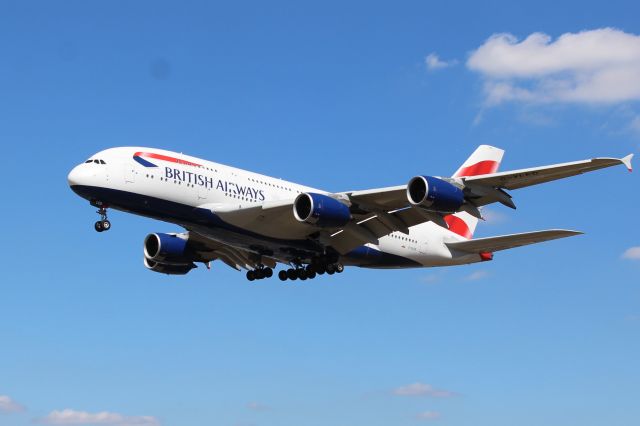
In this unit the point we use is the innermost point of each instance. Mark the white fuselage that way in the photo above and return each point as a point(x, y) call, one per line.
point(178, 188)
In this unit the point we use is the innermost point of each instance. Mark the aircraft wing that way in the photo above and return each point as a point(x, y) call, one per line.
point(209, 249)
point(505, 242)
point(369, 222)
point(489, 188)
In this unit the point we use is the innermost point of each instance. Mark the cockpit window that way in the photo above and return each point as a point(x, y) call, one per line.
point(96, 161)
point(88, 161)
point(102, 162)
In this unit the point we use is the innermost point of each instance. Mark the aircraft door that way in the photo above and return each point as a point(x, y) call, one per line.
point(129, 172)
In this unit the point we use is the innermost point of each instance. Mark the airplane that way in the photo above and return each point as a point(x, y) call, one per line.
point(254, 222)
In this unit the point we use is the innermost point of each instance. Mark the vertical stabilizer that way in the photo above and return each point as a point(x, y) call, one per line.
point(484, 160)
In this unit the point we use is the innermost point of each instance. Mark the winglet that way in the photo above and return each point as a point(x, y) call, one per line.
point(627, 162)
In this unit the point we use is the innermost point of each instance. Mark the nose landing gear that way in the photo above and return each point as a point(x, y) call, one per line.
point(103, 224)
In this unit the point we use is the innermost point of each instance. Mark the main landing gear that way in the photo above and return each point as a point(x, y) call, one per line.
point(103, 224)
point(259, 274)
point(310, 271)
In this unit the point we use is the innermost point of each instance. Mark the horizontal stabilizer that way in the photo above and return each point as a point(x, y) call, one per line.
point(505, 242)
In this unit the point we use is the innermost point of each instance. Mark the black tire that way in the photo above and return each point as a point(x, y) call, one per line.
point(106, 225)
point(283, 275)
point(291, 273)
point(251, 275)
point(339, 268)
point(301, 273)
point(331, 269)
point(311, 275)
point(310, 269)
point(259, 273)
point(268, 272)
point(98, 226)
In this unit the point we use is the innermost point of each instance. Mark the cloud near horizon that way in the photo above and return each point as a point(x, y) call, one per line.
point(600, 66)
point(632, 253)
point(73, 417)
point(422, 389)
point(428, 415)
point(8, 405)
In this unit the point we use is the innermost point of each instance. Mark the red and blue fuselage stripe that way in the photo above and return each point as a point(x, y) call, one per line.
point(138, 156)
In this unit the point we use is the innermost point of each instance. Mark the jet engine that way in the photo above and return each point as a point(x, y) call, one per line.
point(434, 194)
point(320, 210)
point(168, 254)
point(169, 269)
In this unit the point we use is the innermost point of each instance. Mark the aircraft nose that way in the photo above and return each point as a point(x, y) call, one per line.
point(78, 175)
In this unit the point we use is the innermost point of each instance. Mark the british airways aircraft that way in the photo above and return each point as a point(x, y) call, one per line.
point(253, 222)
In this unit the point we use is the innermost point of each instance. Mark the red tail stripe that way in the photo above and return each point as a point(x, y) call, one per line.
point(458, 226)
point(164, 158)
point(481, 168)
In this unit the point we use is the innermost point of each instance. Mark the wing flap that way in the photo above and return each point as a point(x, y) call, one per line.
point(505, 242)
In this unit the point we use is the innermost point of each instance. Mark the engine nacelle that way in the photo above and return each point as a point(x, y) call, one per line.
point(434, 194)
point(166, 248)
point(320, 210)
point(169, 269)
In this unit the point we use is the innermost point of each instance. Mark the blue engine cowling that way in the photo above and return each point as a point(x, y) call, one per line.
point(434, 194)
point(169, 269)
point(320, 210)
point(167, 248)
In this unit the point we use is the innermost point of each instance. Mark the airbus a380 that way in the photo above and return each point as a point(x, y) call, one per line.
point(253, 222)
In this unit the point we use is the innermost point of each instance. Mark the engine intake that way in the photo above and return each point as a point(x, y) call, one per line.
point(434, 194)
point(169, 269)
point(320, 210)
point(167, 248)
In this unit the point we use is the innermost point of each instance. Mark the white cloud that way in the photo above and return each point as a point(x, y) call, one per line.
point(600, 66)
point(493, 217)
point(428, 415)
point(73, 417)
point(632, 253)
point(422, 389)
point(477, 275)
point(256, 406)
point(8, 405)
point(433, 62)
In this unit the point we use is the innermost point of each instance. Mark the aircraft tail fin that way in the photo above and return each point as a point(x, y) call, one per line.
point(485, 159)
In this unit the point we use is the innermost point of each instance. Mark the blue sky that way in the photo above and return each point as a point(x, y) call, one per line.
point(340, 96)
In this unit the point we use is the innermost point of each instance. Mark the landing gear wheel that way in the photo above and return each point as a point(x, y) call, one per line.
point(291, 273)
point(302, 274)
point(331, 269)
point(98, 226)
point(106, 225)
point(251, 275)
point(339, 268)
point(268, 272)
point(311, 275)
point(259, 274)
point(283, 275)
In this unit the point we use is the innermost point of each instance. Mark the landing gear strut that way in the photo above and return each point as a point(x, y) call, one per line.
point(103, 224)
